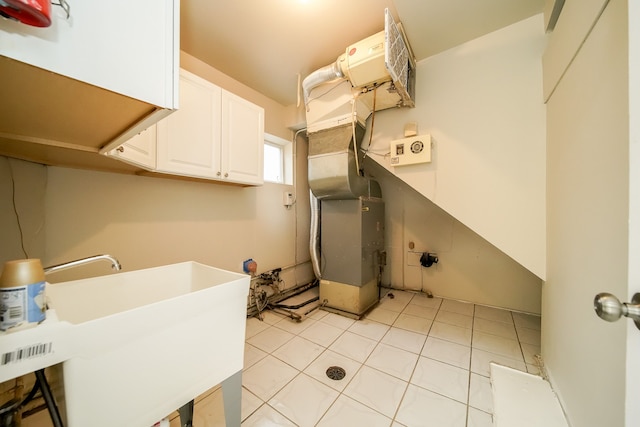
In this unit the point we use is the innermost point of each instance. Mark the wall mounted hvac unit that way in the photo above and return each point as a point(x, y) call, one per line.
point(383, 61)
point(382, 57)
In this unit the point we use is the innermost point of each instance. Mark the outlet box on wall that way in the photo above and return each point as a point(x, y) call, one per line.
point(287, 199)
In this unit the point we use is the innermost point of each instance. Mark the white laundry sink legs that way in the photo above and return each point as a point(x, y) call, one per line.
point(232, 398)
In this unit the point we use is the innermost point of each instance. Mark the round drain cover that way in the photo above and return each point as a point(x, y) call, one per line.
point(336, 373)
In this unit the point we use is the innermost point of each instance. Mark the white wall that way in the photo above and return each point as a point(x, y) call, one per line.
point(146, 222)
point(469, 268)
point(482, 104)
point(588, 226)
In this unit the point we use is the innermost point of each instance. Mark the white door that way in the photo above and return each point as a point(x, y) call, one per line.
point(242, 140)
point(189, 139)
point(593, 212)
point(633, 334)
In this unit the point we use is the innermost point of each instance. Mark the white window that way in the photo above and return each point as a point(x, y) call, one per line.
point(278, 160)
point(273, 163)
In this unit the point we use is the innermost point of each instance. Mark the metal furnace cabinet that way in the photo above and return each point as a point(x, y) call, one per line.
point(352, 238)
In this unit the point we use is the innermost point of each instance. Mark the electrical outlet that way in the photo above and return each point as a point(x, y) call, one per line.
point(287, 199)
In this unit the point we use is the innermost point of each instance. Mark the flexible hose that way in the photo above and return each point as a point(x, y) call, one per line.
point(325, 74)
point(314, 235)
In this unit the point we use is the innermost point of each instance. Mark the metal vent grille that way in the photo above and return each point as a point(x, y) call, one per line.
point(397, 59)
point(396, 56)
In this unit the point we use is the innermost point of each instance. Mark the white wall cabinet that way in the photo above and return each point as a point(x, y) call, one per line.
point(100, 62)
point(103, 46)
point(189, 139)
point(242, 145)
point(214, 135)
point(139, 150)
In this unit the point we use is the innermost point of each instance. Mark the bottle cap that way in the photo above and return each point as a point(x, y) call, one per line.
point(21, 272)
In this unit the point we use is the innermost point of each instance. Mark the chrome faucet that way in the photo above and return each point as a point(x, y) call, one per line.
point(115, 264)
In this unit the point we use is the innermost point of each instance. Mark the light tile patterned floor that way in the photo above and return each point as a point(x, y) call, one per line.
point(413, 361)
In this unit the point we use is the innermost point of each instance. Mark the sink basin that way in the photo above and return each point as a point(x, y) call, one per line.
point(146, 342)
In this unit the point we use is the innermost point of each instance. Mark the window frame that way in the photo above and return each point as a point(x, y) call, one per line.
point(287, 158)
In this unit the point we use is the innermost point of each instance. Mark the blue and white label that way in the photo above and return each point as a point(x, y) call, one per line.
point(22, 304)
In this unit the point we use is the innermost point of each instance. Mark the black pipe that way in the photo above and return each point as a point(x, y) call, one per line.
point(282, 296)
point(293, 307)
point(300, 290)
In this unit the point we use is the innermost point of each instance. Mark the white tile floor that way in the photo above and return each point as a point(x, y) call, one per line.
point(413, 361)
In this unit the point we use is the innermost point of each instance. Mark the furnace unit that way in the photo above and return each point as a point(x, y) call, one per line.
point(347, 222)
point(352, 239)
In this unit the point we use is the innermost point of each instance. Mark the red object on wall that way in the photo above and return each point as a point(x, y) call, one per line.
point(30, 12)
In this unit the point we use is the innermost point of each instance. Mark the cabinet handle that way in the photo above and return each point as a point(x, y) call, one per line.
point(120, 149)
point(226, 175)
point(218, 174)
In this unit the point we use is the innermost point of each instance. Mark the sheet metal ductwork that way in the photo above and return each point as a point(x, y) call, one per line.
point(347, 222)
point(333, 172)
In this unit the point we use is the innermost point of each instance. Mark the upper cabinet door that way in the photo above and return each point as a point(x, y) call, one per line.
point(242, 140)
point(189, 139)
point(139, 150)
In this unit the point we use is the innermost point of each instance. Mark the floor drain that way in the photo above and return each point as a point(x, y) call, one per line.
point(336, 373)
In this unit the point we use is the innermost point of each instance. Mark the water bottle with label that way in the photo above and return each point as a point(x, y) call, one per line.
point(22, 293)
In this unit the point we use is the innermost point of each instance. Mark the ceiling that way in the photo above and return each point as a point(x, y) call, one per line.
point(266, 44)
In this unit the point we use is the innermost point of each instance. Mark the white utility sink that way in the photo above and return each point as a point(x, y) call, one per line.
point(146, 342)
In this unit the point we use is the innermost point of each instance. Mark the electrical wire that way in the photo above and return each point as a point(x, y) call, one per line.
point(328, 91)
point(373, 119)
point(379, 153)
point(15, 208)
point(353, 130)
